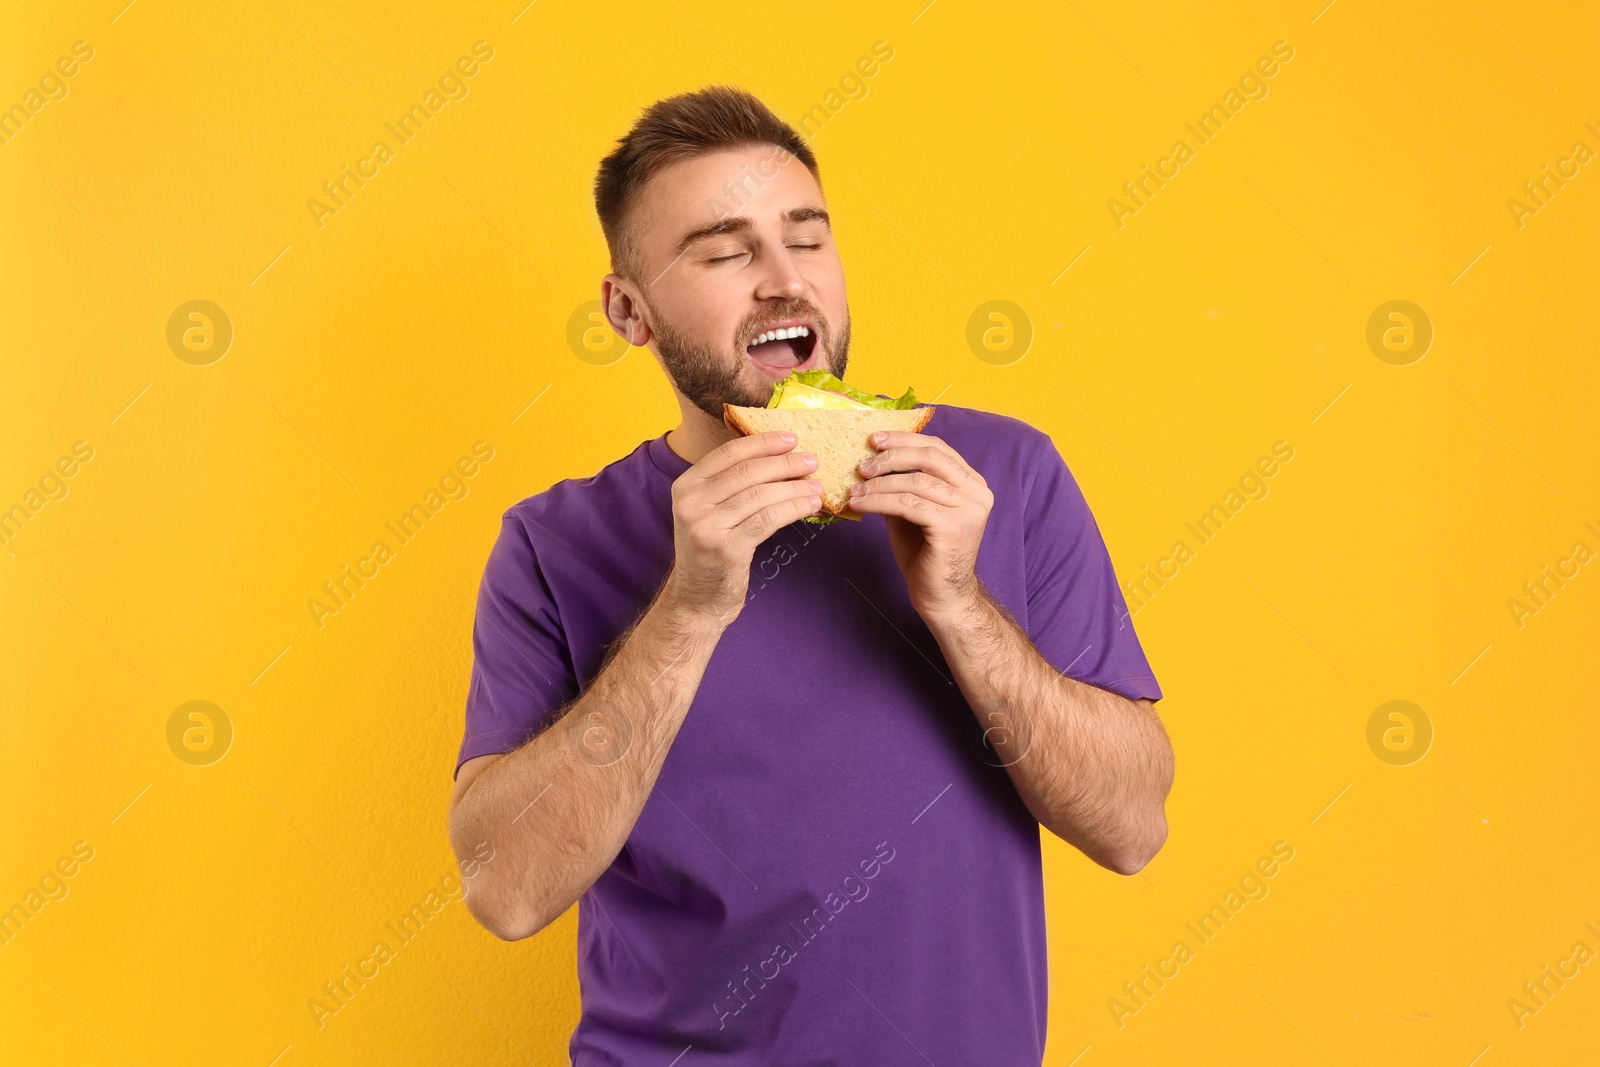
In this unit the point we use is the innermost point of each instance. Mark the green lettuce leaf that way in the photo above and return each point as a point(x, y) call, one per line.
point(821, 379)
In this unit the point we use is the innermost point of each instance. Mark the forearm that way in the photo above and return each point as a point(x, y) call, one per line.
point(1092, 766)
point(558, 810)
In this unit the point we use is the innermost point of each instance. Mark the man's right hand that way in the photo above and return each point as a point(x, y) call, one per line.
point(723, 507)
point(728, 503)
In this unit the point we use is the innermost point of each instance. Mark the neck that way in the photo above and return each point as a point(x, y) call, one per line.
point(697, 434)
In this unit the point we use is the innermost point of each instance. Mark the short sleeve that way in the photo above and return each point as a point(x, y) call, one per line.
point(1077, 616)
point(522, 672)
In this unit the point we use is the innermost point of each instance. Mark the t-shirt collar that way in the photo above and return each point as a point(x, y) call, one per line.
point(668, 461)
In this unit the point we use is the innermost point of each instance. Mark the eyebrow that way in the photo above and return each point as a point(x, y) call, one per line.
point(741, 223)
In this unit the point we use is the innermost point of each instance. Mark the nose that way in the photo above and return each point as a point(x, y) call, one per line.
point(780, 277)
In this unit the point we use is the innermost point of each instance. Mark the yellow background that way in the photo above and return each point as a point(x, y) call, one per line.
point(371, 352)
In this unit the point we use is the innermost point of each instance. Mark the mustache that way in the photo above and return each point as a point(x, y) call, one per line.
point(796, 309)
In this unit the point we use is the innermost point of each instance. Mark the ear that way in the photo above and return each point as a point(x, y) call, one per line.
point(623, 310)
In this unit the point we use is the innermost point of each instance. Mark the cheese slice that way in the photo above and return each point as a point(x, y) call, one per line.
point(810, 397)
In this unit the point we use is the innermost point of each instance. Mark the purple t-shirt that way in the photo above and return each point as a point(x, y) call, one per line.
point(831, 867)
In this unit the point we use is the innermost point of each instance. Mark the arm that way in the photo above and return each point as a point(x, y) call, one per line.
point(1093, 767)
point(558, 810)
point(555, 812)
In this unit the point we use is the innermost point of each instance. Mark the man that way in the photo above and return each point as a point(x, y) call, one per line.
point(793, 773)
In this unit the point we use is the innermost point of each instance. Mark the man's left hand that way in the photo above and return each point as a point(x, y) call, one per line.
point(935, 506)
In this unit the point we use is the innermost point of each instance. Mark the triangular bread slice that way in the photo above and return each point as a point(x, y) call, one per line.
point(837, 437)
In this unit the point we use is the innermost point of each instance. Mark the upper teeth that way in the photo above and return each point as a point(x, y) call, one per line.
point(779, 335)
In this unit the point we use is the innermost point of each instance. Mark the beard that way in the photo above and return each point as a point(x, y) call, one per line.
point(711, 377)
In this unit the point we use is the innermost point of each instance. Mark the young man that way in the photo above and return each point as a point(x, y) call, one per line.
point(794, 774)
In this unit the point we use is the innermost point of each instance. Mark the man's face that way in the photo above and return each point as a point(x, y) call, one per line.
point(729, 246)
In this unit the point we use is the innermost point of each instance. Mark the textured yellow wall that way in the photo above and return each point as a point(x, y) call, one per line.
point(1171, 342)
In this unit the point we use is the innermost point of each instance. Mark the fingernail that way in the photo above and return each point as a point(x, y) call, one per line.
point(808, 459)
point(869, 466)
point(858, 489)
point(878, 438)
point(787, 437)
point(816, 486)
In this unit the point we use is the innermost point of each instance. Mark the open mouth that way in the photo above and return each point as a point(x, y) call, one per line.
point(783, 348)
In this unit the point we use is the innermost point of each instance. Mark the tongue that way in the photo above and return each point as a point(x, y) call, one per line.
point(775, 353)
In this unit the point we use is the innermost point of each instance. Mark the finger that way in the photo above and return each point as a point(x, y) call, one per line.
point(902, 451)
point(920, 483)
point(909, 506)
point(893, 438)
point(751, 472)
point(760, 526)
point(739, 449)
point(739, 508)
point(915, 457)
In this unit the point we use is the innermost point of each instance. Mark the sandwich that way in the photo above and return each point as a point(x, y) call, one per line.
point(833, 421)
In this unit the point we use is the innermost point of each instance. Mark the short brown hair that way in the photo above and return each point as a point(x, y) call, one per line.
point(674, 129)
